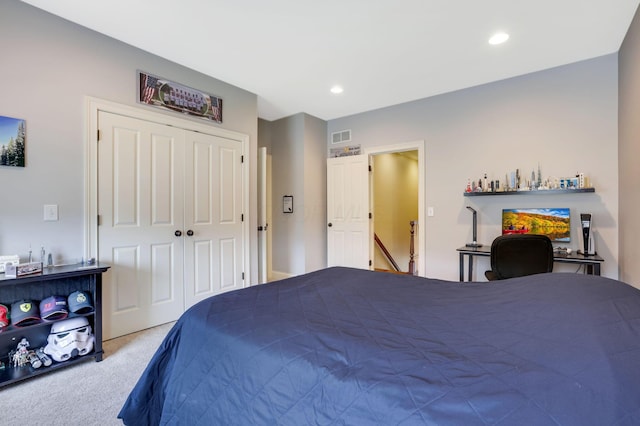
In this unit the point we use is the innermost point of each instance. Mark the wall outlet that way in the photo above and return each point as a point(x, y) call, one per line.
point(50, 212)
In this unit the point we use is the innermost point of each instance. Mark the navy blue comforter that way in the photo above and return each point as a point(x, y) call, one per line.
point(352, 347)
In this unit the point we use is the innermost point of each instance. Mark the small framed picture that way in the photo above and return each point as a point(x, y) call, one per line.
point(287, 204)
point(13, 138)
point(570, 183)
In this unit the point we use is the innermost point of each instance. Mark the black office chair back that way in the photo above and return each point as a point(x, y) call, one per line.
point(518, 255)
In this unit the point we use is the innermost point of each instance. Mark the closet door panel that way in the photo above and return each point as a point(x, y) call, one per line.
point(214, 214)
point(140, 205)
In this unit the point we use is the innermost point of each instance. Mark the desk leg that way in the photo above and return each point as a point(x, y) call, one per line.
point(470, 268)
point(461, 267)
point(596, 269)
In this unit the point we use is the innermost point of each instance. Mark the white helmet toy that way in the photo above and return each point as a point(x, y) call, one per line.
point(69, 338)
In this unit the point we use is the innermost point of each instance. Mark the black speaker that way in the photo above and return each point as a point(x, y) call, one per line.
point(585, 221)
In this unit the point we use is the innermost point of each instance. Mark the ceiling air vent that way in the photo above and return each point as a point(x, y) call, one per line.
point(341, 136)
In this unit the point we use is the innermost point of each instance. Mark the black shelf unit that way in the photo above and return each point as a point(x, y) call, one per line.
point(533, 192)
point(62, 280)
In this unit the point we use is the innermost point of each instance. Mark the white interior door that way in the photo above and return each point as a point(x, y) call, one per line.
point(213, 216)
point(348, 241)
point(140, 203)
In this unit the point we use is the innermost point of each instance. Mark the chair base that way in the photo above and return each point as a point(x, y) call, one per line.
point(490, 275)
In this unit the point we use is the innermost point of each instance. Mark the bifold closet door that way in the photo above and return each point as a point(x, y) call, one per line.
point(141, 209)
point(213, 216)
point(170, 205)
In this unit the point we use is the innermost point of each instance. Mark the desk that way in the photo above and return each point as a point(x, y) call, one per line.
point(592, 262)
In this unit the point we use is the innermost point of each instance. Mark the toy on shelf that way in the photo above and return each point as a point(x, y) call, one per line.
point(69, 338)
point(514, 181)
point(20, 356)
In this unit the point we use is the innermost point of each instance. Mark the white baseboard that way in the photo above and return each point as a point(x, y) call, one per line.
point(277, 275)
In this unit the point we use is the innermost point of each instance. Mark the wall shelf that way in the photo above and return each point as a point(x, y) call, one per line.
point(534, 192)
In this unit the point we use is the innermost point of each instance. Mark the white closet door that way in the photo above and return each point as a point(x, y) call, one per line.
point(141, 206)
point(213, 216)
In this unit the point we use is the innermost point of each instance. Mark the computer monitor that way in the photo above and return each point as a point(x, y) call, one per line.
point(555, 223)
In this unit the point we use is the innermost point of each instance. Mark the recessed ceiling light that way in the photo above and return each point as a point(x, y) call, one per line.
point(499, 38)
point(336, 90)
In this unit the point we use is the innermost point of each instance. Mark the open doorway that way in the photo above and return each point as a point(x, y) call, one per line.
point(395, 208)
point(350, 213)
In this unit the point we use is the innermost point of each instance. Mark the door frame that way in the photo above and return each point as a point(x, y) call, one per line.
point(263, 253)
point(92, 107)
point(419, 146)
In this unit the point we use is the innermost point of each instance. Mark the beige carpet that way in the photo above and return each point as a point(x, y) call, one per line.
point(89, 393)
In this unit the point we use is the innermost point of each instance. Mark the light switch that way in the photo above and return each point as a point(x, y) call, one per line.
point(429, 211)
point(50, 212)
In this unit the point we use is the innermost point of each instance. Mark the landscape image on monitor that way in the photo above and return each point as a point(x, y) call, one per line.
point(554, 223)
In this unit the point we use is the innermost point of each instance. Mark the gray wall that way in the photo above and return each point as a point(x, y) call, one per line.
point(287, 230)
point(564, 119)
point(298, 148)
point(49, 66)
point(315, 193)
point(629, 152)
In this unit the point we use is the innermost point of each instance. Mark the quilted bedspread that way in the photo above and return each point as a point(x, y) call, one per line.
point(349, 347)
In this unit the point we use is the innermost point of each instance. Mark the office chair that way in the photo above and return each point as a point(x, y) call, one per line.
point(518, 255)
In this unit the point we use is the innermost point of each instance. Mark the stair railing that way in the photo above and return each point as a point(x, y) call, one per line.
point(386, 252)
point(412, 263)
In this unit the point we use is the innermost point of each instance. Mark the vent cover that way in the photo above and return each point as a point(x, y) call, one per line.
point(341, 136)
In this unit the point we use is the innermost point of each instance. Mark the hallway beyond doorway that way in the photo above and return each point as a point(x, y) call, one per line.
point(394, 205)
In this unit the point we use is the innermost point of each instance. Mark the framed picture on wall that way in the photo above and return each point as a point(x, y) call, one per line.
point(161, 93)
point(287, 204)
point(13, 138)
point(569, 183)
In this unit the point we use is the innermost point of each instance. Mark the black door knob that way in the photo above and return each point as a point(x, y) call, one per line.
point(190, 233)
point(178, 233)
point(330, 224)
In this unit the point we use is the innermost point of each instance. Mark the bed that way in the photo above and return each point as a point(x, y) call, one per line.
point(344, 346)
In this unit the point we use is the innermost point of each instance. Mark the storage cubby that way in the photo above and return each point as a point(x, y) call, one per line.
point(57, 280)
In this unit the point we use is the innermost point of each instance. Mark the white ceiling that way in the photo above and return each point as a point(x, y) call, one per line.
point(383, 52)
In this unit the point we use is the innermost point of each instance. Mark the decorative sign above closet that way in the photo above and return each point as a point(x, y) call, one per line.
point(166, 94)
